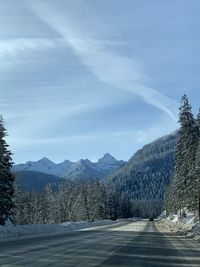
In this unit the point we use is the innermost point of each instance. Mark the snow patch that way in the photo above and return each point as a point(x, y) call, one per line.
point(34, 229)
point(187, 225)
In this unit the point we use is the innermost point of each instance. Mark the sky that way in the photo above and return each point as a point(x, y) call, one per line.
point(80, 78)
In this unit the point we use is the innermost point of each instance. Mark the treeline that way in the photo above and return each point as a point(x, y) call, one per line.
point(83, 201)
point(183, 192)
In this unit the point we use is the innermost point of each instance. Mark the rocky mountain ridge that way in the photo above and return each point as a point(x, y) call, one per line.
point(82, 169)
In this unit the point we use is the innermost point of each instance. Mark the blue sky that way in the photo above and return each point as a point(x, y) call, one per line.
point(79, 78)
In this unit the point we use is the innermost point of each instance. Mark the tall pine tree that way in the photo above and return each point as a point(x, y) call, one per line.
point(185, 154)
point(196, 173)
point(6, 178)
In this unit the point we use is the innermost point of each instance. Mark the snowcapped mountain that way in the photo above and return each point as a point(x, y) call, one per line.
point(45, 165)
point(82, 169)
point(109, 163)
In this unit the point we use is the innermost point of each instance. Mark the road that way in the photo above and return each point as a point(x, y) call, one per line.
point(128, 243)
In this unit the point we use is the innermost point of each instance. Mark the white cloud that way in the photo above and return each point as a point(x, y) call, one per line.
point(18, 141)
point(142, 137)
point(138, 137)
point(14, 47)
point(38, 120)
point(107, 65)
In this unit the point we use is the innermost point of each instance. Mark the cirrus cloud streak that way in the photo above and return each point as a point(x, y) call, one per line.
point(107, 65)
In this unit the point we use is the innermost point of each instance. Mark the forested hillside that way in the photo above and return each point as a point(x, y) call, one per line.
point(144, 178)
point(31, 181)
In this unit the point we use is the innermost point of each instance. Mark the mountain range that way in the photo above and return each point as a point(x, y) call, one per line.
point(82, 169)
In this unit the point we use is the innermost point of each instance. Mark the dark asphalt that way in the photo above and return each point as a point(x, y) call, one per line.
point(128, 244)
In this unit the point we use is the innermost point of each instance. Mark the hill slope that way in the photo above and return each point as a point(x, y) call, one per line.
point(144, 177)
point(36, 181)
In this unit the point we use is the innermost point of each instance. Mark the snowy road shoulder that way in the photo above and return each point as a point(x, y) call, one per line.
point(186, 226)
point(35, 229)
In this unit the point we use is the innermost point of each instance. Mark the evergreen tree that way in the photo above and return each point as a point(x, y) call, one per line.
point(6, 178)
point(185, 154)
point(65, 200)
point(46, 205)
point(196, 172)
point(95, 189)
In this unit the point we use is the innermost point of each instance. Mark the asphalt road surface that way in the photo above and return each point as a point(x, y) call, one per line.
point(140, 243)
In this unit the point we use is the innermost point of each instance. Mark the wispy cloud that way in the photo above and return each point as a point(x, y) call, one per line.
point(107, 65)
point(140, 137)
point(17, 46)
point(143, 136)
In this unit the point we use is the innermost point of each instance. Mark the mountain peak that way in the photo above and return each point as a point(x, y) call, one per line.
point(107, 157)
point(84, 161)
point(45, 160)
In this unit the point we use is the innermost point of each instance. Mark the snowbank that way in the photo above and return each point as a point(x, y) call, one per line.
point(187, 226)
point(34, 229)
point(21, 230)
point(83, 225)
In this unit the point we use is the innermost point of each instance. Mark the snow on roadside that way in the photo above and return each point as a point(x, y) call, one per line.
point(21, 230)
point(34, 229)
point(187, 226)
point(84, 225)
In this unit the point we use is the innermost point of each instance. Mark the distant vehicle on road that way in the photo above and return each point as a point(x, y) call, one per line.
point(151, 219)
